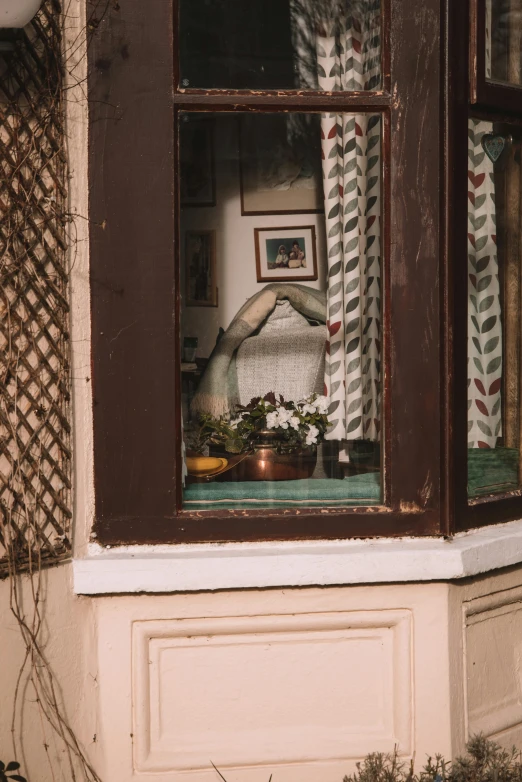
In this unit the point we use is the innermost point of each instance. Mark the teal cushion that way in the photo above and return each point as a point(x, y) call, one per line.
point(492, 470)
point(363, 489)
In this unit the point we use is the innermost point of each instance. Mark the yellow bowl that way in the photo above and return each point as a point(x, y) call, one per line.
point(205, 465)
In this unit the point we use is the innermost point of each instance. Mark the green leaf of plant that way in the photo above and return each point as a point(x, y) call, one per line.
point(234, 446)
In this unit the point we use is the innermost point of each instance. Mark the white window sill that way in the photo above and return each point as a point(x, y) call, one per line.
point(190, 568)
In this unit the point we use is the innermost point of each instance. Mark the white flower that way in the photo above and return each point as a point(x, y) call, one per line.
point(322, 403)
point(308, 408)
point(311, 437)
point(294, 422)
point(272, 420)
point(284, 417)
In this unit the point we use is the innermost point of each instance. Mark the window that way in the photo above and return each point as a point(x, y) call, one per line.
point(495, 59)
point(281, 304)
point(494, 324)
point(486, 343)
point(294, 147)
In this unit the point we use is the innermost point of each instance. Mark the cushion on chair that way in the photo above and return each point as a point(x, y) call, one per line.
point(286, 356)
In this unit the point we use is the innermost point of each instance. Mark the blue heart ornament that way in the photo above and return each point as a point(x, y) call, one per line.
point(493, 146)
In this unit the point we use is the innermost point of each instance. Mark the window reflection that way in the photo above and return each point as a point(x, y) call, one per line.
point(504, 41)
point(280, 44)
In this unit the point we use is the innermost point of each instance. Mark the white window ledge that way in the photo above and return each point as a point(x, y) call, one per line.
point(187, 568)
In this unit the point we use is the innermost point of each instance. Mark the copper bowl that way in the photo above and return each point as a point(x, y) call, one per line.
point(272, 460)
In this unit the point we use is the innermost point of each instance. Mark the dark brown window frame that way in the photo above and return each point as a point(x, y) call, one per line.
point(469, 95)
point(134, 209)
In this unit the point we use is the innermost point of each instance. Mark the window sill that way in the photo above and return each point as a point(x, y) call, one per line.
point(189, 568)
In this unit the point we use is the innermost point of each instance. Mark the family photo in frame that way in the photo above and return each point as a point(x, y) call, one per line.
point(286, 254)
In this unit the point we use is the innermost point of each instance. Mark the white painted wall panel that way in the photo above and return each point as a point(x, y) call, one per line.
point(494, 665)
point(271, 690)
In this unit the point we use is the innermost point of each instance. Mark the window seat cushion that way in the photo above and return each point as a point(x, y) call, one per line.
point(492, 470)
point(362, 489)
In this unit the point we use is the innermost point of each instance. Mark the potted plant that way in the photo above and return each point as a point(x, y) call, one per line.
point(199, 463)
point(268, 439)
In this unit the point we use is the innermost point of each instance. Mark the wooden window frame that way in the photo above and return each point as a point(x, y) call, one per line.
point(468, 95)
point(134, 254)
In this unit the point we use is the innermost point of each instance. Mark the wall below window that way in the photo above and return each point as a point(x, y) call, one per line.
point(235, 249)
point(298, 683)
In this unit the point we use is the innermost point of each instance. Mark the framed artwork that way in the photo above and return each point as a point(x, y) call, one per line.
point(286, 254)
point(200, 269)
point(278, 176)
point(197, 165)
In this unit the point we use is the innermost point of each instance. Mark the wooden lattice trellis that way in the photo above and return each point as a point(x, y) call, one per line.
point(35, 456)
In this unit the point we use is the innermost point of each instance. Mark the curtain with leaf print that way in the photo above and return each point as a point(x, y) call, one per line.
point(484, 314)
point(348, 58)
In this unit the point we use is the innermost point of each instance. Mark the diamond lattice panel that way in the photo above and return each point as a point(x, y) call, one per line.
point(34, 367)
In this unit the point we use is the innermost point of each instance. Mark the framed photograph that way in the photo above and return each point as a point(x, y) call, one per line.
point(200, 269)
point(278, 176)
point(286, 254)
point(197, 167)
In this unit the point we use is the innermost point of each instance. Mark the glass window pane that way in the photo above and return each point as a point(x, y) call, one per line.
point(281, 279)
point(494, 308)
point(280, 44)
point(504, 41)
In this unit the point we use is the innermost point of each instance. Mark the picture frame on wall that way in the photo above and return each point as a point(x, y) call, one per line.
point(278, 175)
point(197, 163)
point(286, 254)
point(200, 269)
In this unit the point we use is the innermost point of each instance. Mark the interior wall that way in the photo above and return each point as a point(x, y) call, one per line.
point(235, 249)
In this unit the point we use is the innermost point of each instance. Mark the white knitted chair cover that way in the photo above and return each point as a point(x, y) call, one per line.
point(286, 356)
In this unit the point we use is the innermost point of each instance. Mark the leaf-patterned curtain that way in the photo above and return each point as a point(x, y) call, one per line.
point(348, 58)
point(484, 314)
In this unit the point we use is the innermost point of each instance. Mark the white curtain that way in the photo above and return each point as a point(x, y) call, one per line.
point(348, 58)
point(484, 315)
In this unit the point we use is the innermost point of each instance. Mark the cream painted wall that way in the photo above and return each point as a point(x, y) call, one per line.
point(235, 251)
point(69, 641)
point(300, 683)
